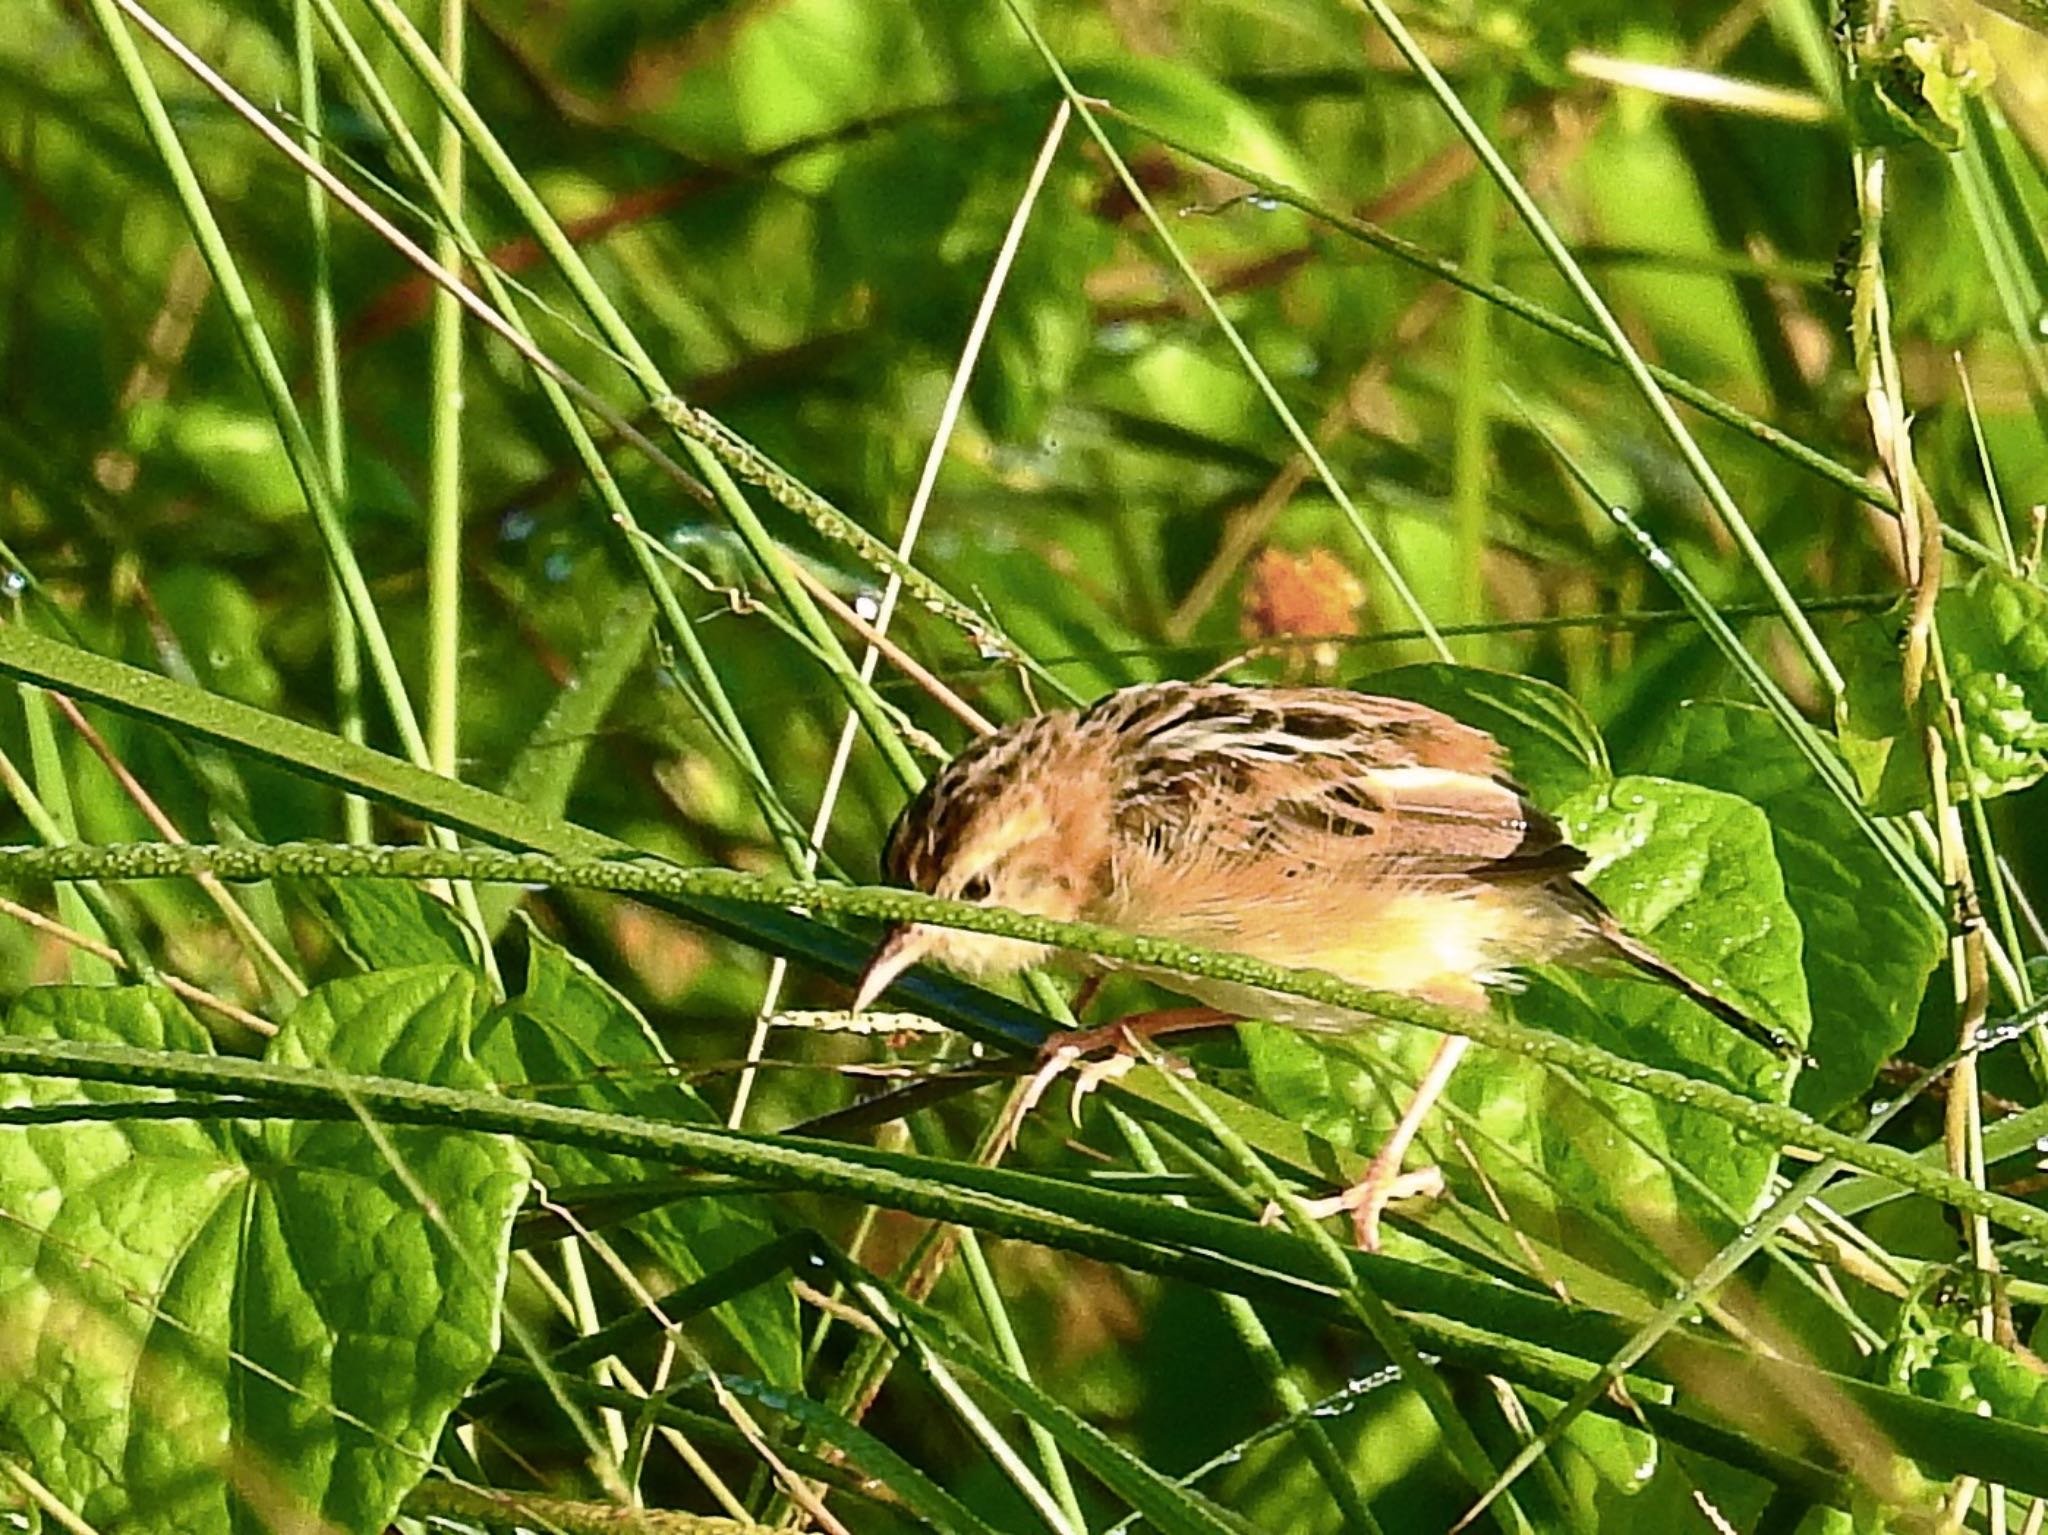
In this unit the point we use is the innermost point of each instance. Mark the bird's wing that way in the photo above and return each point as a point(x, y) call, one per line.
point(1332, 778)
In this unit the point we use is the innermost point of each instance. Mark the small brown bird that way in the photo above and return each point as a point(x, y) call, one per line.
point(1373, 838)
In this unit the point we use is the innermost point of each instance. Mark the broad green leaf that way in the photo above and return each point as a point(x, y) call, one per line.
point(1553, 748)
point(1691, 871)
point(1869, 944)
point(568, 1038)
point(1994, 633)
point(1946, 1364)
point(388, 924)
point(220, 1325)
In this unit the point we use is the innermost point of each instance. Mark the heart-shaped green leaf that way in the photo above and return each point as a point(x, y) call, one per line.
point(218, 1326)
point(1869, 943)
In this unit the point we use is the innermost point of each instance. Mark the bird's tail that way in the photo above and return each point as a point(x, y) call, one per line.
point(1658, 968)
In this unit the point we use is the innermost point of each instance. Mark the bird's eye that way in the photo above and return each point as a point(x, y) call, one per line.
point(975, 889)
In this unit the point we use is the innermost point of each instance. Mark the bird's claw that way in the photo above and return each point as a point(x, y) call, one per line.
point(1064, 1051)
point(1365, 1200)
point(1055, 1062)
point(1094, 1073)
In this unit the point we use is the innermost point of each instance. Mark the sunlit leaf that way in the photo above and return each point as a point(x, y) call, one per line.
point(1994, 634)
point(219, 1324)
point(1869, 944)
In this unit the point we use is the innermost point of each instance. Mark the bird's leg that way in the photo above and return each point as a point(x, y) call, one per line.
point(1384, 1182)
point(1061, 1051)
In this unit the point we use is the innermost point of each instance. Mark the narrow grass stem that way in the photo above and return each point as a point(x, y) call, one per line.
point(325, 340)
point(1539, 227)
point(1304, 444)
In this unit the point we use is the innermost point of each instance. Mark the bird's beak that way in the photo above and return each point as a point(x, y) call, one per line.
point(901, 948)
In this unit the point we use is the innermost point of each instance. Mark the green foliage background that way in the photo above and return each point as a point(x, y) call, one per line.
point(382, 1238)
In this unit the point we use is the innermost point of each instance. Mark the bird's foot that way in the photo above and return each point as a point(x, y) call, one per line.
point(1368, 1198)
point(1117, 1046)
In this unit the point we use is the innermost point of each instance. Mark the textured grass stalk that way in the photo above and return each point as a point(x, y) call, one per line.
point(721, 897)
point(1771, 1123)
point(647, 374)
point(325, 344)
point(190, 713)
point(1475, 1321)
point(1471, 447)
point(697, 678)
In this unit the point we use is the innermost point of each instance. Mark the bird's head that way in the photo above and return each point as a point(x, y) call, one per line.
point(1015, 822)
